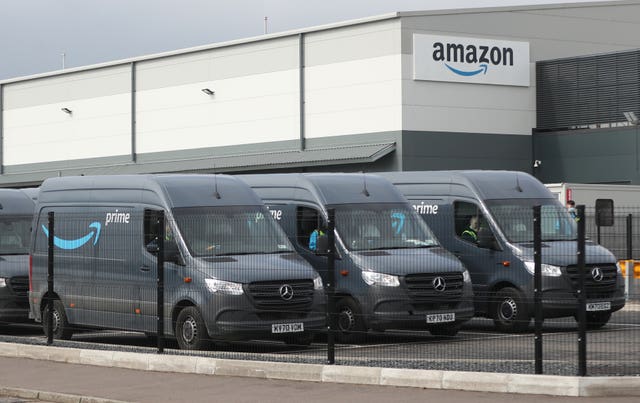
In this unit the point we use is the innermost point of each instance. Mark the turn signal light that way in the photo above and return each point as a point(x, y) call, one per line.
point(72, 305)
point(138, 310)
point(344, 272)
point(506, 263)
point(187, 279)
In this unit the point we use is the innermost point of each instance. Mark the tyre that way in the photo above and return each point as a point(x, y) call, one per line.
point(61, 328)
point(596, 320)
point(350, 323)
point(509, 312)
point(191, 331)
point(443, 330)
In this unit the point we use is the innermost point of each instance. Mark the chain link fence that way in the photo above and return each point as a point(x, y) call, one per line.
point(367, 287)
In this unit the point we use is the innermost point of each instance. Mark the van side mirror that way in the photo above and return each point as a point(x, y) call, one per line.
point(322, 245)
point(486, 240)
point(171, 251)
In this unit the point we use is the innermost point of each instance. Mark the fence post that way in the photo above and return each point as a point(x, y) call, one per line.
point(582, 296)
point(330, 287)
point(537, 286)
point(160, 269)
point(49, 300)
point(629, 279)
point(629, 236)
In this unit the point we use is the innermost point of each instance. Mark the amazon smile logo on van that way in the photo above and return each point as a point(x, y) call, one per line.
point(470, 60)
point(94, 233)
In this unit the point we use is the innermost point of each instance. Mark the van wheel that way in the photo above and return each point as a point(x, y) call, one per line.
point(509, 311)
point(448, 331)
point(350, 324)
point(191, 331)
point(61, 328)
point(596, 320)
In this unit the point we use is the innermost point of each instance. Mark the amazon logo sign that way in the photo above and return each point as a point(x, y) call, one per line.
point(470, 60)
point(92, 233)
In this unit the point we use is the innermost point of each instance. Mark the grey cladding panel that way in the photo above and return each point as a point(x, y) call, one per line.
point(438, 150)
point(357, 42)
point(574, 35)
point(218, 64)
point(68, 87)
point(588, 156)
point(588, 90)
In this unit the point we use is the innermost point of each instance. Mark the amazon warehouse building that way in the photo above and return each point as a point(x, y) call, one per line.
point(551, 90)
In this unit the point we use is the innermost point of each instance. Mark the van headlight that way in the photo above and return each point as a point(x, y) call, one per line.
point(385, 280)
point(3, 282)
point(548, 270)
point(466, 277)
point(317, 283)
point(223, 287)
point(619, 268)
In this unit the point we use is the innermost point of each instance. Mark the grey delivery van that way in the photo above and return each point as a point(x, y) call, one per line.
point(16, 213)
point(392, 274)
point(500, 260)
point(230, 270)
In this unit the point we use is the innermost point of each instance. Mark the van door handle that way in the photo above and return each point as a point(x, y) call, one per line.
point(145, 268)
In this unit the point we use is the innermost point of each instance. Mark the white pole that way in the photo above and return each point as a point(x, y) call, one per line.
point(265, 24)
point(64, 55)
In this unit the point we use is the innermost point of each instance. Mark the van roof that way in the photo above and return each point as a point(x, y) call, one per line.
point(486, 184)
point(181, 190)
point(15, 202)
point(329, 188)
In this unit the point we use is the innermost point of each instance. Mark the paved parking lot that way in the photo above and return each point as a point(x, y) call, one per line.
point(612, 350)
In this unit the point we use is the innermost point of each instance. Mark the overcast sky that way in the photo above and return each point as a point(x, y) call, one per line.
point(34, 33)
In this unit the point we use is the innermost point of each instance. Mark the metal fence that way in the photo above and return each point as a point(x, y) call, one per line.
point(365, 287)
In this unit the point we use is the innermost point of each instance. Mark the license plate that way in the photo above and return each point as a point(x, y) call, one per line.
point(441, 318)
point(598, 306)
point(287, 328)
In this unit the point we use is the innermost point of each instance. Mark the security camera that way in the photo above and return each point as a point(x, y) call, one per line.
point(537, 163)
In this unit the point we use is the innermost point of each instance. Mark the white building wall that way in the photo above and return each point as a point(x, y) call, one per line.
point(37, 130)
point(353, 80)
point(256, 97)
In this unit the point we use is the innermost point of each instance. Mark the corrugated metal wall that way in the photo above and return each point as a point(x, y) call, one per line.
point(584, 91)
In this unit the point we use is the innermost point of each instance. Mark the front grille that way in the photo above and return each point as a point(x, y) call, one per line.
point(19, 285)
point(266, 295)
point(421, 289)
point(595, 289)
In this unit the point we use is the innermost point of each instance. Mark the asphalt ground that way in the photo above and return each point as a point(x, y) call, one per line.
point(612, 351)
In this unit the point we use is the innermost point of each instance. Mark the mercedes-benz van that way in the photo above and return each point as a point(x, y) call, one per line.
point(391, 271)
point(230, 271)
point(500, 258)
point(16, 213)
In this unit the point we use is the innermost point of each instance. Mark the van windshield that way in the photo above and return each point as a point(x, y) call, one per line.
point(230, 230)
point(515, 218)
point(14, 235)
point(382, 226)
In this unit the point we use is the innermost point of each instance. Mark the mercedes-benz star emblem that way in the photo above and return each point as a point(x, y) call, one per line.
point(597, 274)
point(286, 292)
point(439, 284)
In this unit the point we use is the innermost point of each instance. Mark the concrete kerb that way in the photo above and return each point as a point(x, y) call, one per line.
point(429, 379)
point(52, 396)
